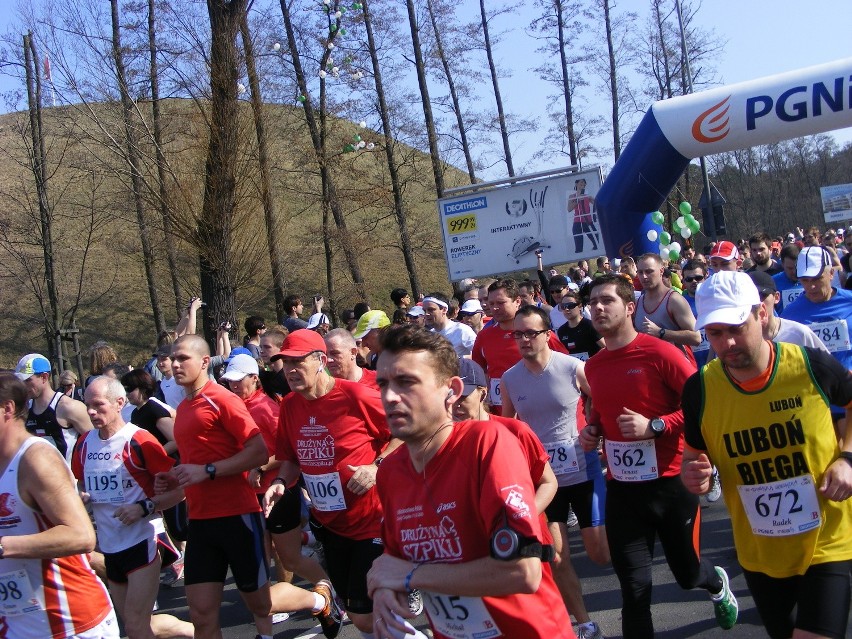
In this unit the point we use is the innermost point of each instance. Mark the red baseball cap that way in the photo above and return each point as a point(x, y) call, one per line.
point(725, 250)
point(300, 343)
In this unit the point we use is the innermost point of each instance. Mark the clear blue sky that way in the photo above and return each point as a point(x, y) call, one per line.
point(763, 37)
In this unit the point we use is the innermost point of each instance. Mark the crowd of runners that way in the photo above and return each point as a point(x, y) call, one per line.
point(440, 454)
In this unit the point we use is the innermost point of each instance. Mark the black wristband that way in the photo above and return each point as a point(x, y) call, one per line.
point(278, 480)
point(846, 455)
point(145, 511)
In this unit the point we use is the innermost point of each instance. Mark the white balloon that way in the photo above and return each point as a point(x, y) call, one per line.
point(241, 88)
point(685, 232)
point(675, 246)
point(330, 46)
point(652, 235)
point(664, 251)
point(276, 46)
point(335, 70)
point(680, 222)
point(371, 146)
point(362, 144)
point(322, 73)
point(338, 14)
point(362, 124)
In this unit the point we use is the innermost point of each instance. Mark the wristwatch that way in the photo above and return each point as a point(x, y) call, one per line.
point(2, 552)
point(658, 426)
point(210, 469)
point(378, 461)
point(662, 333)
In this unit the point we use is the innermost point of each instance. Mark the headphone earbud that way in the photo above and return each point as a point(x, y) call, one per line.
point(450, 394)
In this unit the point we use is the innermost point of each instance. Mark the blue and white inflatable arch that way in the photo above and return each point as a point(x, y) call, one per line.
point(771, 109)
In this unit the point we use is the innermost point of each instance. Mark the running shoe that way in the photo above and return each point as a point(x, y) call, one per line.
point(572, 519)
point(415, 602)
point(725, 604)
point(715, 487)
point(330, 616)
point(589, 630)
point(173, 573)
point(280, 617)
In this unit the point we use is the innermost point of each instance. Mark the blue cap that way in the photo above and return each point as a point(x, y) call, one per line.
point(239, 351)
point(32, 364)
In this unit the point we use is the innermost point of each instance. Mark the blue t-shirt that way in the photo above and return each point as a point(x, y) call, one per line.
point(702, 351)
point(828, 320)
point(789, 289)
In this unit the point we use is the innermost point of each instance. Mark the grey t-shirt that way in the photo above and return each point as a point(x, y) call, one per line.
point(548, 403)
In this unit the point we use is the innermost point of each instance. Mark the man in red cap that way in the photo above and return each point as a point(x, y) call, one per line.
point(725, 257)
point(334, 432)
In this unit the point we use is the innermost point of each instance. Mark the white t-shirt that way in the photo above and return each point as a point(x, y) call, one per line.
point(557, 317)
point(461, 336)
point(173, 392)
point(797, 333)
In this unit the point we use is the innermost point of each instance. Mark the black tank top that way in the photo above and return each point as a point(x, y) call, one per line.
point(47, 426)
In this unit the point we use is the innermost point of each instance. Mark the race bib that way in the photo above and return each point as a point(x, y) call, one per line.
point(782, 508)
point(790, 295)
point(326, 491)
point(632, 461)
point(563, 457)
point(16, 594)
point(704, 345)
point(494, 395)
point(105, 487)
point(581, 356)
point(460, 617)
point(834, 334)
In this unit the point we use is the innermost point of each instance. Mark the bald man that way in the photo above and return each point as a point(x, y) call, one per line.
point(342, 351)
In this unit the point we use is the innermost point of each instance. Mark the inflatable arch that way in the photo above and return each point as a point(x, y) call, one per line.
point(771, 109)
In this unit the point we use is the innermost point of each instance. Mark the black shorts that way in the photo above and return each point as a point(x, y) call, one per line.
point(122, 563)
point(348, 562)
point(176, 519)
point(820, 598)
point(286, 514)
point(234, 542)
point(587, 499)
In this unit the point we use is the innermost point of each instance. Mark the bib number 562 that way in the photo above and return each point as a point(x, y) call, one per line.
point(629, 458)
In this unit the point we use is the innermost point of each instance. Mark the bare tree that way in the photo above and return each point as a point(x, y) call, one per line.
point(501, 116)
point(276, 259)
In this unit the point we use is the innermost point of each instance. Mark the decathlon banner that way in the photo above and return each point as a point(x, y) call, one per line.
point(836, 202)
point(779, 107)
point(499, 229)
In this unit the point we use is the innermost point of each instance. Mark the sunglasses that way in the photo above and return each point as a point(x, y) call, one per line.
point(129, 389)
point(693, 278)
point(569, 306)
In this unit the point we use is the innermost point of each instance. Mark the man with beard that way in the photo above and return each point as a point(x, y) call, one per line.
point(759, 246)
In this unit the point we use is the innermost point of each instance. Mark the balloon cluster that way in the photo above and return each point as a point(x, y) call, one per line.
point(686, 225)
point(357, 143)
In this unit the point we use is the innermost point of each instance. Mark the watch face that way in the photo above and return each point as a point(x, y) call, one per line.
point(658, 425)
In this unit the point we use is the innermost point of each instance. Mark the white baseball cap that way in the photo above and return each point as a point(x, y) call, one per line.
point(318, 318)
point(32, 364)
point(241, 366)
point(726, 297)
point(812, 261)
point(471, 307)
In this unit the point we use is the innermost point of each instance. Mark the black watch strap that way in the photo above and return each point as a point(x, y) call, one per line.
point(845, 454)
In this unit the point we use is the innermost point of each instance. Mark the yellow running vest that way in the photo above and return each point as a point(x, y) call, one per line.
point(772, 447)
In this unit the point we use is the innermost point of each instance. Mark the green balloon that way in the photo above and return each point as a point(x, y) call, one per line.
point(674, 255)
point(694, 226)
point(356, 137)
point(689, 217)
point(333, 28)
point(302, 98)
point(684, 208)
point(665, 237)
point(348, 148)
point(657, 217)
point(343, 32)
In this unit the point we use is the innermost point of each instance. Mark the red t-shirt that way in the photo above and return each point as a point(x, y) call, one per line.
point(368, 379)
point(475, 484)
point(324, 436)
point(497, 351)
point(264, 411)
point(531, 447)
point(213, 426)
point(646, 376)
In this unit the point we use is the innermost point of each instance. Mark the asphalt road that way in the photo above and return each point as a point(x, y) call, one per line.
point(677, 613)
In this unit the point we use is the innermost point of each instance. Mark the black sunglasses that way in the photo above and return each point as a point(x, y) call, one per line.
point(568, 306)
point(693, 278)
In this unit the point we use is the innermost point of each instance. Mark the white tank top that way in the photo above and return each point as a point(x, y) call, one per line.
point(45, 598)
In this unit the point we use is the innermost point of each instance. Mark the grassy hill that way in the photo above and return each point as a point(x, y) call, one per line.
point(96, 237)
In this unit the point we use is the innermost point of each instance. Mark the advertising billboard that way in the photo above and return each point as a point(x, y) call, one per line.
point(498, 228)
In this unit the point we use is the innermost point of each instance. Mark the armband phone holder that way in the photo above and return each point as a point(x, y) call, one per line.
point(506, 545)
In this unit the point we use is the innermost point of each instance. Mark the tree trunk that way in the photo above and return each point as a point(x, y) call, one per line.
point(329, 191)
point(398, 204)
point(431, 132)
point(165, 211)
point(501, 116)
point(214, 227)
point(613, 83)
point(566, 84)
point(439, 46)
point(276, 260)
point(53, 319)
point(135, 172)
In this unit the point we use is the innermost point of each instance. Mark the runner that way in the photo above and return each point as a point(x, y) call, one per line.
point(334, 432)
point(342, 351)
point(760, 413)
point(46, 533)
point(636, 384)
point(115, 465)
point(461, 523)
point(461, 336)
point(544, 388)
point(52, 415)
point(219, 443)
